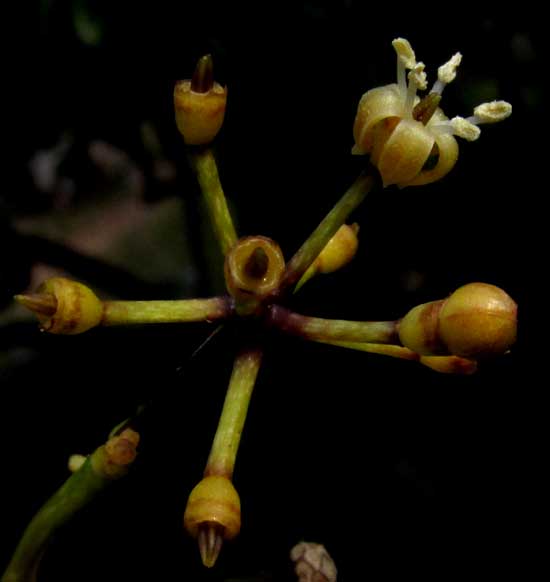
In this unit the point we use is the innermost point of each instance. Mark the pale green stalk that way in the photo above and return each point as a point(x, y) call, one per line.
point(204, 165)
point(178, 311)
point(445, 364)
point(320, 329)
point(228, 434)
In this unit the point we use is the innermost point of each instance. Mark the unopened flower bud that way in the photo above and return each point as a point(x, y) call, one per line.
point(340, 249)
point(200, 105)
point(476, 320)
point(338, 252)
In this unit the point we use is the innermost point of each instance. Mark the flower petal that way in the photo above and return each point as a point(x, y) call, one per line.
point(405, 152)
point(375, 105)
point(448, 155)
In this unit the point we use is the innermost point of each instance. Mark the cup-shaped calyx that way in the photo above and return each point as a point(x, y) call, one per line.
point(200, 105)
point(64, 306)
point(213, 514)
point(253, 270)
point(476, 320)
point(411, 141)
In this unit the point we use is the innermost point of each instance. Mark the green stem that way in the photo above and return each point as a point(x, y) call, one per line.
point(204, 165)
point(381, 349)
point(136, 312)
point(106, 464)
point(228, 434)
point(330, 330)
point(319, 238)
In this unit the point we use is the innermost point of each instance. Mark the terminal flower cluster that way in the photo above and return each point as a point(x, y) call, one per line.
point(409, 141)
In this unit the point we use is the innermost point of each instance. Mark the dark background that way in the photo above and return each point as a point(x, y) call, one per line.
point(393, 467)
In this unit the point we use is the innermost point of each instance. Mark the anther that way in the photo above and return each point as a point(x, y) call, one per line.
point(492, 112)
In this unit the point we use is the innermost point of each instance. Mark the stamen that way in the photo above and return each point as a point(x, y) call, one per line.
point(418, 76)
point(446, 73)
point(417, 80)
point(405, 52)
point(464, 128)
point(458, 126)
point(491, 112)
point(406, 59)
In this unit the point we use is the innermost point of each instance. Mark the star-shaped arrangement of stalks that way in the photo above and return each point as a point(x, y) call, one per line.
point(409, 141)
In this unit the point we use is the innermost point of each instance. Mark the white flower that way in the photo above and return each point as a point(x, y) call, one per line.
point(402, 133)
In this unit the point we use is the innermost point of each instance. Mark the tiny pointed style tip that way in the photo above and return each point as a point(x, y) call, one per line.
point(210, 540)
point(203, 77)
point(39, 303)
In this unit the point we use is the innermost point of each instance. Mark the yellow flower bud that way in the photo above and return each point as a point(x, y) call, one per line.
point(64, 306)
point(410, 140)
point(476, 320)
point(200, 105)
point(339, 251)
point(213, 514)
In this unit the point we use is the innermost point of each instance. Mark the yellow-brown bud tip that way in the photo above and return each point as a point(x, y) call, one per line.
point(39, 303)
point(64, 306)
point(121, 449)
point(214, 502)
point(113, 459)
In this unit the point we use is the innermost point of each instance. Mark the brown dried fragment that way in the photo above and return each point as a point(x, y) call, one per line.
point(313, 563)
